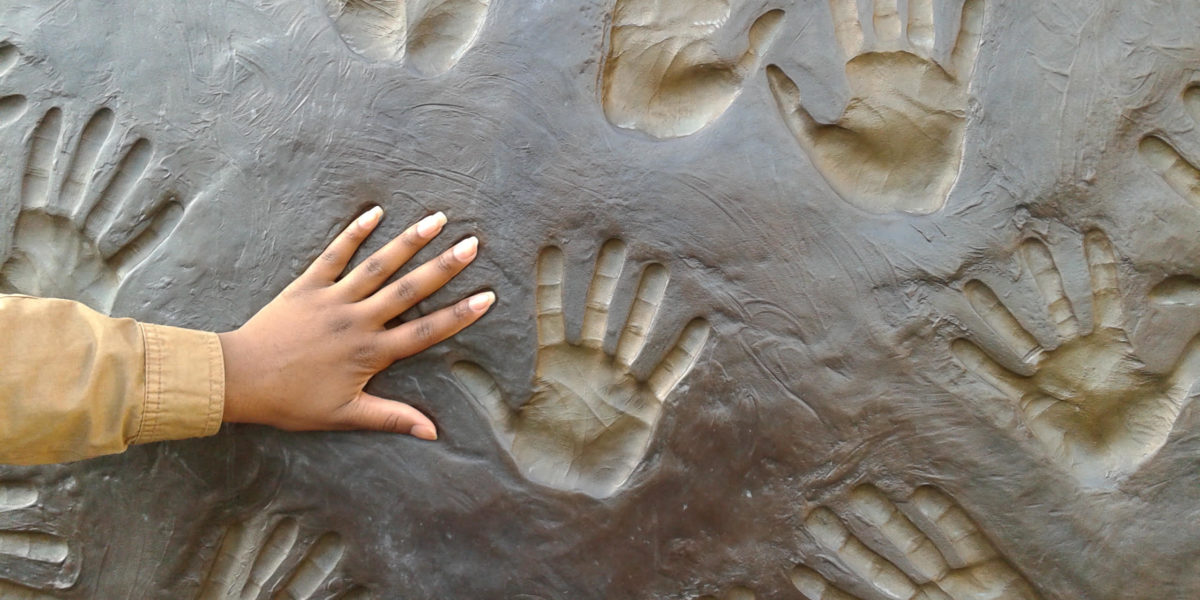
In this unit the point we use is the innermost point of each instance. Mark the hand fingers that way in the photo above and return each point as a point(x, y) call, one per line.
point(426, 279)
point(333, 261)
point(373, 413)
point(417, 335)
point(364, 279)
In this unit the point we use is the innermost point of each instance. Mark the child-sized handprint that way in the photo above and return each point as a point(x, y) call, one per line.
point(589, 421)
point(264, 558)
point(899, 144)
point(944, 554)
point(664, 77)
point(1090, 401)
point(431, 35)
point(32, 560)
point(86, 219)
point(12, 106)
point(1179, 173)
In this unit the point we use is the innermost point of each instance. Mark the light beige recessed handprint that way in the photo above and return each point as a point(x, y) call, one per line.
point(265, 558)
point(943, 553)
point(1090, 401)
point(12, 106)
point(664, 77)
point(431, 36)
point(590, 419)
point(898, 146)
point(34, 562)
point(1179, 173)
point(87, 216)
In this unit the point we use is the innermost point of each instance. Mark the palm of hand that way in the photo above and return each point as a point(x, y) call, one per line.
point(1090, 402)
point(589, 420)
point(898, 146)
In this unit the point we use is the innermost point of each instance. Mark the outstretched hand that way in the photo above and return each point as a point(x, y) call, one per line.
point(302, 362)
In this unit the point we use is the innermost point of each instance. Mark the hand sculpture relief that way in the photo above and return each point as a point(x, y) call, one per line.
point(85, 220)
point(1180, 173)
point(663, 76)
point(12, 106)
point(1090, 401)
point(899, 144)
point(259, 559)
point(590, 419)
point(432, 35)
point(945, 555)
point(32, 560)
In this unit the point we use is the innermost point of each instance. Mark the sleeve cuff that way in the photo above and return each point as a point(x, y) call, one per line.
point(185, 384)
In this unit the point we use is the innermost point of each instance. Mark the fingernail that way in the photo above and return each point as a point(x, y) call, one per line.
point(370, 217)
point(465, 250)
point(481, 302)
point(424, 432)
point(431, 225)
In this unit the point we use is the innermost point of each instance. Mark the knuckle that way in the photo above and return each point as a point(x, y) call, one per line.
point(331, 256)
point(411, 240)
point(462, 310)
point(374, 266)
point(406, 291)
point(446, 262)
point(340, 325)
point(424, 331)
point(366, 354)
point(392, 423)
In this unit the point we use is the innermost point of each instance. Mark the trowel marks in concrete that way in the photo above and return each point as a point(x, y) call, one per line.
point(430, 36)
point(899, 144)
point(89, 216)
point(590, 419)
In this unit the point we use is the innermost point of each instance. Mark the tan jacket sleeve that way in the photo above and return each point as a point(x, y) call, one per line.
point(76, 384)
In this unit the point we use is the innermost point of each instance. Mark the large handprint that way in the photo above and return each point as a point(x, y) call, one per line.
point(32, 560)
point(432, 35)
point(264, 558)
point(1090, 401)
point(86, 219)
point(945, 555)
point(663, 76)
point(590, 419)
point(899, 144)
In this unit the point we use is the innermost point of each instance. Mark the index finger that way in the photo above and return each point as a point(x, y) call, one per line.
point(327, 267)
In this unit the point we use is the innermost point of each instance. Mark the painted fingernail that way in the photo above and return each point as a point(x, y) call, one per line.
point(481, 302)
point(424, 432)
point(370, 217)
point(465, 250)
point(431, 225)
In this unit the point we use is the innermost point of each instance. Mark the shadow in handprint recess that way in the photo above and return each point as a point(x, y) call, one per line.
point(590, 419)
point(898, 146)
point(430, 36)
point(88, 217)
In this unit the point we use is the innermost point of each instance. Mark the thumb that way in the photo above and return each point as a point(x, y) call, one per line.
point(379, 414)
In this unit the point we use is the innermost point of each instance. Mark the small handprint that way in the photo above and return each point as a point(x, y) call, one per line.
point(432, 35)
point(32, 559)
point(590, 419)
point(1090, 401)
point(899, 144)
point(264, 558)
point(1179, 173)
point(663, 76)
point(86, 221)
point(945, 555)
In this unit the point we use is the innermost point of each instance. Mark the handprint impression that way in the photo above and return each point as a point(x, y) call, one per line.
point(31, 559)
point(259, 559)
point(663, 76)
point(1177, 171)
point(85, 219)
point(432, 34)
point(590, 419)
point(942, 554)
point(1090, 401)
point(899, 144)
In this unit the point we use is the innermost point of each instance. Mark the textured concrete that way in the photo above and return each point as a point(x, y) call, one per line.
point(940, 350)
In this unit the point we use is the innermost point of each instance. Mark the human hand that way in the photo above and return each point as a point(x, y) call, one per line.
point(301, 363)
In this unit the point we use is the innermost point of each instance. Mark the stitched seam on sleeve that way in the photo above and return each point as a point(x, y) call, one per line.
point(154, 384)
point(216, 385)
point(145, 388)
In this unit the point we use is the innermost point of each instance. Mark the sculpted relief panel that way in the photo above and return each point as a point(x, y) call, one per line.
point(824, 300)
